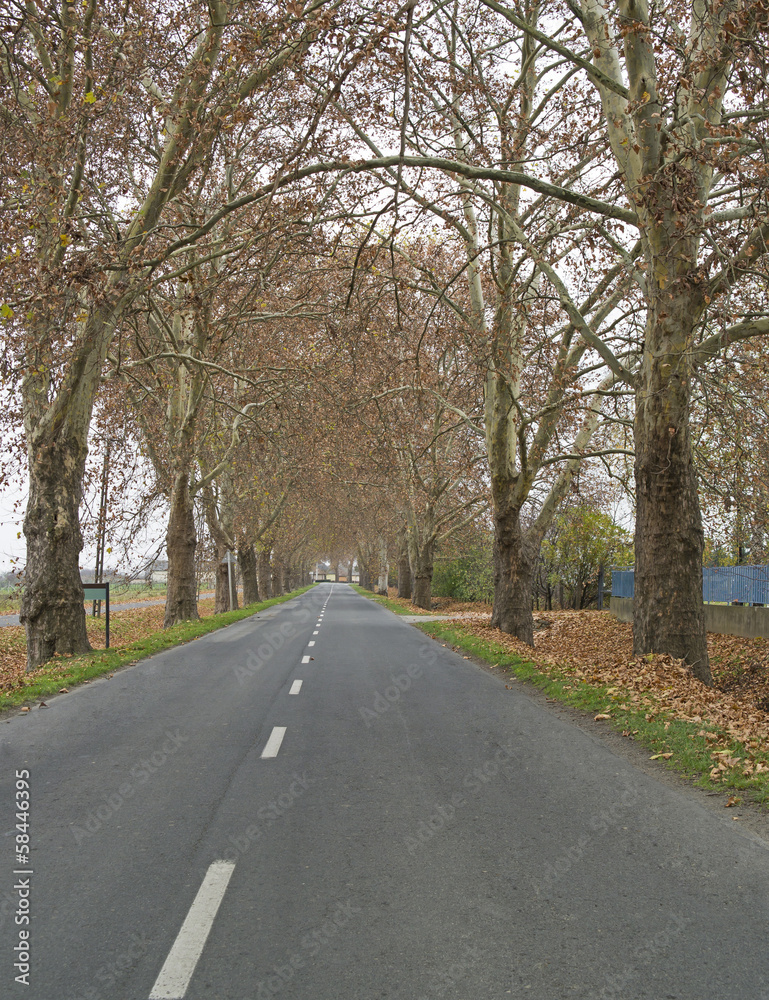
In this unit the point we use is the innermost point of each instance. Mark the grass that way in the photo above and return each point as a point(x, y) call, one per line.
point(689, 745)
point(393, 606)
point(69, 671)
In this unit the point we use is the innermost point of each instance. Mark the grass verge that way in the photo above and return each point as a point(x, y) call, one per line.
point(395, 606)
point(686, 747)
point(69, 671)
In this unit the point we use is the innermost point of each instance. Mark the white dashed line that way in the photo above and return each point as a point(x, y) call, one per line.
point(306, 659)
point(315, 633)
point(311, 642)
point(296, 687)
point(177, 971)
point(273, 743)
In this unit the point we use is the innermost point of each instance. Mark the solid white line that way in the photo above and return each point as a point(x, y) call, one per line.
point(306, 659)
point(311, 642)
point(296, 687)
point(177, 971)
point(272, 745)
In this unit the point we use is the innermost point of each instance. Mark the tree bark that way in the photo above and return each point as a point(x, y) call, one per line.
point(277, 577)
point(384, 567)
point(404, 575)
point(423, 575)
point(223, 602)
point(265, 574)
point(181, 542)
point(514, 566)
point(52, 610)
point(668, 611)
point(247, 562)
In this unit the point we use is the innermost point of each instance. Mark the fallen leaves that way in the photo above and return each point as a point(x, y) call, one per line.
point(126, 628)
point(592, 647)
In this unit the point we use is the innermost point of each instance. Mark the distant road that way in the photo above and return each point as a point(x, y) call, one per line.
point(14, 619)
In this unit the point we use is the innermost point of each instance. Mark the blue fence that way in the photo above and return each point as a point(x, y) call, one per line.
point(720, 584)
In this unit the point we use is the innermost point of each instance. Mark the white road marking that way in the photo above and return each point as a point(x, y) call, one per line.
point(315, 633)
point(177, 971)
point(311, 642)
point(306, 659)
point(272, 745)
point(296, 687)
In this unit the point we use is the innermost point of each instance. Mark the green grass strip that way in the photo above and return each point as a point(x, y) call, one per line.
point(393, 606)
point(73, 670)
point(659, 731)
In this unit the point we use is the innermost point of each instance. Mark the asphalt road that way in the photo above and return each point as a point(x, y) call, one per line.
point(419, 831)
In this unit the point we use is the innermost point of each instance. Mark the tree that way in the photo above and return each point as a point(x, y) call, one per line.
point(583, 541)
point(83, 220)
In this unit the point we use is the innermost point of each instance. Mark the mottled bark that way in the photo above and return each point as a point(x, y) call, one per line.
point(181, 542)
point(265, 574)
point(247, 563)
point(514, 565)
point(668, 612)
point(52, 610)
point(404, 575)
point(223, 600)
point(422, 560)
point(277, 577)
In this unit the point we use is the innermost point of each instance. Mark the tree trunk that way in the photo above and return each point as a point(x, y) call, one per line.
point(277, 577)
point(404, 575)
point(223, 602)
point(181, 542)
point(265, 574)
point(514, 566)
point(423, 576)
point(247, 562)
point(668, 611)
point(52, 610)
point(384, 568)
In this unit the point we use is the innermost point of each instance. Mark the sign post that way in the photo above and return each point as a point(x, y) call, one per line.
point(228, 559)
point(99, 592)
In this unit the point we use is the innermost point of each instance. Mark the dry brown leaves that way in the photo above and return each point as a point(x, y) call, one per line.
point(126, 628)
point(595, 648)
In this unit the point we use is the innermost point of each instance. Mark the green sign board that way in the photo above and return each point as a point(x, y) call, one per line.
point(99, 592)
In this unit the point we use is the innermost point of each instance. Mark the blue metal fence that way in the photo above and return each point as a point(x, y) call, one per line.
point(720, 584)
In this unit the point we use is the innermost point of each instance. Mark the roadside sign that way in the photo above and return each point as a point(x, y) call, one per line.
point(99, 592)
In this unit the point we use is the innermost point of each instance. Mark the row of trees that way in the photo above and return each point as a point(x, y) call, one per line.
point(356, 274)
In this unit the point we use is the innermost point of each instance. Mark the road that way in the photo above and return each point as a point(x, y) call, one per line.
point(418, 830)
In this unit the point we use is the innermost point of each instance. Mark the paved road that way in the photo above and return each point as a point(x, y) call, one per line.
point(419, 831)
point(14, 619)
